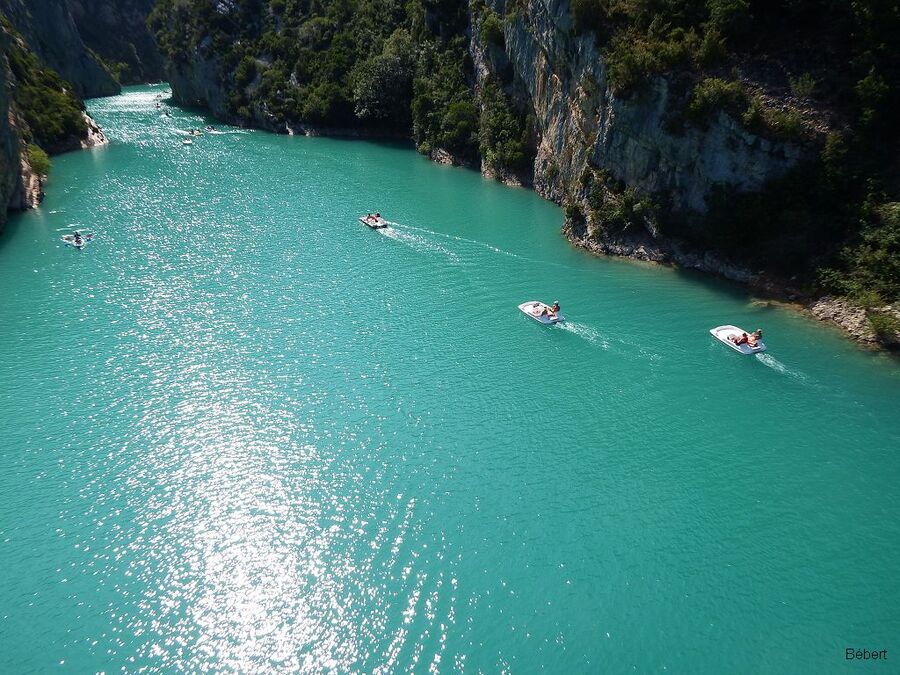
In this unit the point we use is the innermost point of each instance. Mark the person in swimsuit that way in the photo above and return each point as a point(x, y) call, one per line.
point(552, 310)
point(744, 339)
point(754, 337)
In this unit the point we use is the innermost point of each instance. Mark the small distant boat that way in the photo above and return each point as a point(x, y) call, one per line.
point(210, 127)
point(196, 132)
point(724, 334)
point(376, 222)
point(70, 240)
point(187, 141)
point(535, 309)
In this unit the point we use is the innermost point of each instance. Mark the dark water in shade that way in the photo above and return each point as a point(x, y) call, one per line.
point(241, 432)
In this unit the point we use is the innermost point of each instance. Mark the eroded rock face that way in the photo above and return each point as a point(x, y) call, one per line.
point(51, 33)
point(582, 122)
point(20, 186)
point(196, 83)
point(95, 136)
point(854, 320)
point(117, 31)
point(10, 150)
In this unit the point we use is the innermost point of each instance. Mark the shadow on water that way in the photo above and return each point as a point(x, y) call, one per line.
point(381, 137)
point(14, 224)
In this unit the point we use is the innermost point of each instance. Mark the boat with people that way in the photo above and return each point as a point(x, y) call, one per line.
point(373, 220)
point(78, 240)
point(542, 312)
point(739, 340)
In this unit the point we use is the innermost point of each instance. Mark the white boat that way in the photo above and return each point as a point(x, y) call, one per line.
point(724, 334)
point(535, 309)
point(375, 222)
point(187, 141)
point(86, 239)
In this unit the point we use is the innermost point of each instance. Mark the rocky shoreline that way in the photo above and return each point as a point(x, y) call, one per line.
point(852, 319)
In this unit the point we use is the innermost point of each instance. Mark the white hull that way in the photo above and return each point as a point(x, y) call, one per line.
point(533, 308)
point(723, 333)
point(373, 222)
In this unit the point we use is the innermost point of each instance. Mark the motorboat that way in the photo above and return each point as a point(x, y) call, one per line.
point(728, 334)
point(535, 309)
point(376, 222)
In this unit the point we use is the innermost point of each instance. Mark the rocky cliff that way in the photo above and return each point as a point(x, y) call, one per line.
point(582, 123)
point(50, 31)
point(116, 30)
point(10, 148)
point(39, 114)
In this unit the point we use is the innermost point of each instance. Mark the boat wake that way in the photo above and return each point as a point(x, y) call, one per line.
point(592, 335)
point(417, 242)
point(475, 242)
point(776, 365)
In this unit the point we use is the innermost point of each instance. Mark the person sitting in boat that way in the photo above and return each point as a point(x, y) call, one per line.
point(76, 238)
point(754, 337)
point(551, 311)
point(742, 340)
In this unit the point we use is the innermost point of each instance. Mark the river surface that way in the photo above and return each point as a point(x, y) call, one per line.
point(242, 432)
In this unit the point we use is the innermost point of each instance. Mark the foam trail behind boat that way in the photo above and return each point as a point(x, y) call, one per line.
point(416, 242)
point(776, 365)
point(481, 244)
point(592, 335)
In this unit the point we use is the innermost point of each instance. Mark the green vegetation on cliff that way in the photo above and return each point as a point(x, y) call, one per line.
point(825, 75)
point(52, 114)
point(381, 65)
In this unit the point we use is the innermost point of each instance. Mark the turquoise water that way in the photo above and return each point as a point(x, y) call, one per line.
point(243, 432)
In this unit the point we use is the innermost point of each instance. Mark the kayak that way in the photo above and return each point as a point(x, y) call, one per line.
point(85, 240)
point(723, 333)
point(373, 222)
point(533, 308)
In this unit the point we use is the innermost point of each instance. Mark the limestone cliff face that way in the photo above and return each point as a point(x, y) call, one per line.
point(10, 151)
point(581, 122)
point(51, 33)
point(196, 82)
point(21, 187)
point(117, 31)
